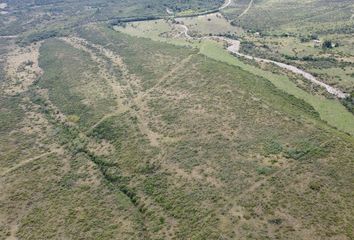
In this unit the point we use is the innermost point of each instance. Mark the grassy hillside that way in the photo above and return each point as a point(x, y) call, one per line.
point(178, 147)
point(38, 14)
point(105, 135)
point(330, 110)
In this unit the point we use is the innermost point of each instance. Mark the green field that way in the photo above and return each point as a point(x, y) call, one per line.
point(212, 24)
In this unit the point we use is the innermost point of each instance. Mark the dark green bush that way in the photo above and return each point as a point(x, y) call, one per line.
point(272, 147)
point(306, 150)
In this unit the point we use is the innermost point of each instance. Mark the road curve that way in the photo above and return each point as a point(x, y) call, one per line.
point(9, 37)
point(247, 9)
point(225, 5)
point(234, 47)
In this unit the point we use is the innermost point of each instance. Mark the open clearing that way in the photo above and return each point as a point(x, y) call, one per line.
point(210, 24)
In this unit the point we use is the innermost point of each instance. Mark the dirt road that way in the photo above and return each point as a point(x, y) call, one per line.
point(234, 47)
point(225, 5)
point(247, 9)
point(27, 161)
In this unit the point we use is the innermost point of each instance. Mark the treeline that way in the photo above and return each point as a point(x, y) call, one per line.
point(348, 102)
point(40, 36)
point(47, 2)
point(121, 21)
point(310, 58)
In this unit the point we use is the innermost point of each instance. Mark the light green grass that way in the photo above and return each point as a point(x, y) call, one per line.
point(152, 30)
point(331, 111)
point(210, 24)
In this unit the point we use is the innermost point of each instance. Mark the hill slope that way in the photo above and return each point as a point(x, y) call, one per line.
point(108, 136)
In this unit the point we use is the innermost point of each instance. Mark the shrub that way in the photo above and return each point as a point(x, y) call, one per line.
point(327, 44)
point(73, 118)
point(272, 147)
point(305, 150)
point(275, 221)
point(348, 102)
point(315, 186)
point(264, 170)
point(39, 36)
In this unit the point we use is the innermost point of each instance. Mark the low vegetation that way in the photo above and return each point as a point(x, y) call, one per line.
point(314, 36)
point(148, 136)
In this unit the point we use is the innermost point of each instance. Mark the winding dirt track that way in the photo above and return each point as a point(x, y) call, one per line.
point(226, 4)
point(234, 47)
point(8, 37)
point(27, 161)
point(247, 9)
